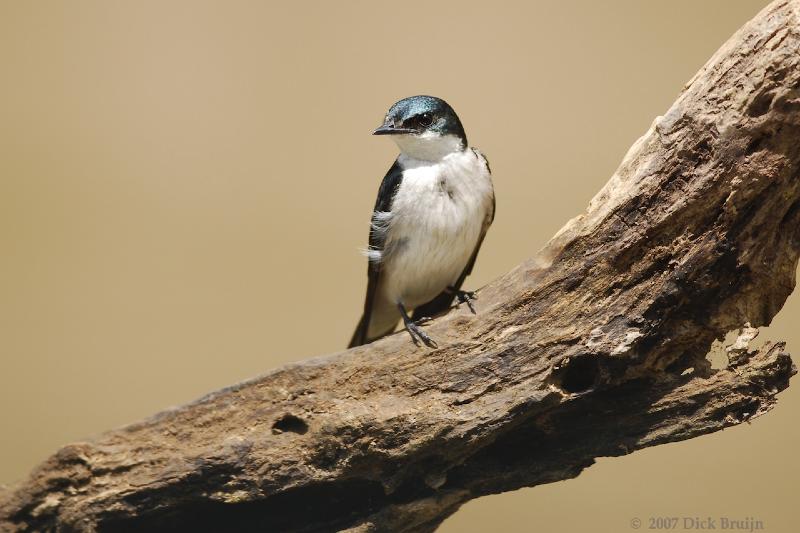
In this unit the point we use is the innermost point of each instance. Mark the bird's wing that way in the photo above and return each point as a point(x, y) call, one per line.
point(377, 237)
point(444, 300)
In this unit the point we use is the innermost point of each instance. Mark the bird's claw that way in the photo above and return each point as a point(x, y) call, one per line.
point(466, 297)
point(414, 329)
point(418, 334)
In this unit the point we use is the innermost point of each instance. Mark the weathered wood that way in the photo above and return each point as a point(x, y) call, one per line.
point(596, 346)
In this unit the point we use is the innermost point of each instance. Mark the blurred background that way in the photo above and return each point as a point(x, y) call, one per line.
point(184, 187)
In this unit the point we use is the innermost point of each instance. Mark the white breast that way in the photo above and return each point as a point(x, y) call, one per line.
point(436, 220)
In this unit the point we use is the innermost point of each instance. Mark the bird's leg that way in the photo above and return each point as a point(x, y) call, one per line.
point(464, 297)
point(416, 332)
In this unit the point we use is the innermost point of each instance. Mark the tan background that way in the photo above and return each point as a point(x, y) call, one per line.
point(184, 186)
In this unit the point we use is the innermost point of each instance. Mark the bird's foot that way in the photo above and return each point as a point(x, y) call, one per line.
point(418, 334)
point(465, 297)
point(413, 328)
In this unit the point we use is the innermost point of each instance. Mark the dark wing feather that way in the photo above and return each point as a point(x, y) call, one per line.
point(444, 300)
point(383, 203)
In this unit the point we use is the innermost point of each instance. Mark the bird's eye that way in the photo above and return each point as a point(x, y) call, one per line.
point(423, 120)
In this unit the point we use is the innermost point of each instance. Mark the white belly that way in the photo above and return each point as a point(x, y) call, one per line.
point(436, 220)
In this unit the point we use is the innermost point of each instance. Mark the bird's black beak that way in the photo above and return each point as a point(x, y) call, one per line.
point(389, 129)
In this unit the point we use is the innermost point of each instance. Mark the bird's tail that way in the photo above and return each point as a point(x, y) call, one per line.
point(360, 334)
point(379, 324)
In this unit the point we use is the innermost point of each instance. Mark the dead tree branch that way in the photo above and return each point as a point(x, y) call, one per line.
point(595, 347)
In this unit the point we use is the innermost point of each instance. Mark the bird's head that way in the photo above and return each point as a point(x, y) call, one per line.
point(424, 127)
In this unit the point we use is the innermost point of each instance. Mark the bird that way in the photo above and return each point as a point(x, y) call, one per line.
point(433, 210)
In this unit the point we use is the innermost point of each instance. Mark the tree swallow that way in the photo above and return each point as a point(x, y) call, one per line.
point(433, 209)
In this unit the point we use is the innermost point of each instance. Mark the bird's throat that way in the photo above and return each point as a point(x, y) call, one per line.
point(428, 146)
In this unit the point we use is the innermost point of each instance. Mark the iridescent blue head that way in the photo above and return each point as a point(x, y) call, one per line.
point(423, 118)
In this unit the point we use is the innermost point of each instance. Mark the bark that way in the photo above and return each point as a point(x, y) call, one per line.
point(597, 346)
